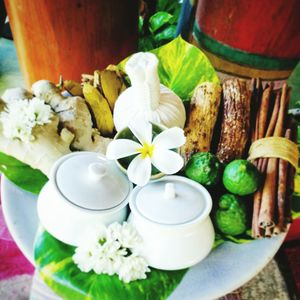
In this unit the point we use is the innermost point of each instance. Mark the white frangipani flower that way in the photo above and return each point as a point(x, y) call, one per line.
point(150, 151)
point(133, 268)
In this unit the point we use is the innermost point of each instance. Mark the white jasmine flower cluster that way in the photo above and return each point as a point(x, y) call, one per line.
point(112, 251)
point(21, 116)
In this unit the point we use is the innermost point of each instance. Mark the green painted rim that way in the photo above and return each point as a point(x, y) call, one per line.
point(242, 57)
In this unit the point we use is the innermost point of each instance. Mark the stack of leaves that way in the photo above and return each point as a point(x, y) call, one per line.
point(100, 91)
point(157, 24)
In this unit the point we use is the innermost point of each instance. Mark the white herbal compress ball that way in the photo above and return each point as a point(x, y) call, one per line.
point(146, 97)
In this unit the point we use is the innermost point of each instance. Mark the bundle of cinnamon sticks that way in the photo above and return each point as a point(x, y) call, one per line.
point(271, 203)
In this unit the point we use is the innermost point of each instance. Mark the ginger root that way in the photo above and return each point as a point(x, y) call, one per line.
point(70, 128)
point(73, 113)
point(46, 148)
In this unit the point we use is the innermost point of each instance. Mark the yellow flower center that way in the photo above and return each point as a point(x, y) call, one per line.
point(146, 150)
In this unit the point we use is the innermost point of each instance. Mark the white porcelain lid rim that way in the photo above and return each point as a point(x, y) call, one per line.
point(199, 218)
point(91, 209)
point(53, 181)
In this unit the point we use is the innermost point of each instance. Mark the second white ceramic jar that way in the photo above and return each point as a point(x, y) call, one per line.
point(172, 217)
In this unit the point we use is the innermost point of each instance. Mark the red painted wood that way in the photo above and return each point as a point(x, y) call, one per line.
point(71, 37)
point(294, 232)
point(266, 27)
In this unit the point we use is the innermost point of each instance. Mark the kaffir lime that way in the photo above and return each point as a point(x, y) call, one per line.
point(241, 177)
point(204, 167)
point(230, 216)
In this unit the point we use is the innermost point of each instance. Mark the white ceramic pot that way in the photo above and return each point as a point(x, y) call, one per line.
point(84, 190)
point(172, 217)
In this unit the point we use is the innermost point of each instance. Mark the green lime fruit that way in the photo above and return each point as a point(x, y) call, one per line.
point(231, 217)
point(204, 168)
point(241, 177)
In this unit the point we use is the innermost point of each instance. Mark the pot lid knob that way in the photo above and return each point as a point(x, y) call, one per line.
point(97, 170)
point(170, 192)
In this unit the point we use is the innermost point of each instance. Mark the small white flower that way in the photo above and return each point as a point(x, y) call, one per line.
point(39, 112)
point(129, 237)
point(21, 116)
point(85, 257)
point(133, 268)
point(156, 152)
point(114, 231)
point(14, 128)
point(109, 258)
point(112, 251)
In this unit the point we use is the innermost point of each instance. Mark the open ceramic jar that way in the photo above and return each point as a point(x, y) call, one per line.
point(172, 217)
point(85, 189)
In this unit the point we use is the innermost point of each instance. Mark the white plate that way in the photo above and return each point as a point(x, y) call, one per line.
point(224, 270)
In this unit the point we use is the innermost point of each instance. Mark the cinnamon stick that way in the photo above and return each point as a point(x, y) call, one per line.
point(282, 186)
point(263, 111)
point(268, 232)
point(291, 176)
point(261, 164)
point(266, 214)
point(256, 88)
point(274, 116)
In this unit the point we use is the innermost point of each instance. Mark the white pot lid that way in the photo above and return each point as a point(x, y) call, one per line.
point(90, 181)
point(172, 200)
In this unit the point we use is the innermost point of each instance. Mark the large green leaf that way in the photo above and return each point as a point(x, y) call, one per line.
point(21, 174)
point(54, 261)
point(182, 67)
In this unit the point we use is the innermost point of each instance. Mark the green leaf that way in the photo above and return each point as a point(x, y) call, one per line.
point(158, 20)
point(294, 82)
point(21, 174)
point(146, 43)
point(171, 6)
point(240, 239)
point(141, 24)
point(167, 34)
point(182, 67)
point(54, 262)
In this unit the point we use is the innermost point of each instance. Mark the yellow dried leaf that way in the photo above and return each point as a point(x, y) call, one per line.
point(100, 108)
point(111, 85)
point(73, 87)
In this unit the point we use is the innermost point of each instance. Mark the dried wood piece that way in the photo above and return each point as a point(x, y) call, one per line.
point(236, 120)
point(202, 119)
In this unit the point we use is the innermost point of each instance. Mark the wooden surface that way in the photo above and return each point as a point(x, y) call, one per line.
point(69, 37)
